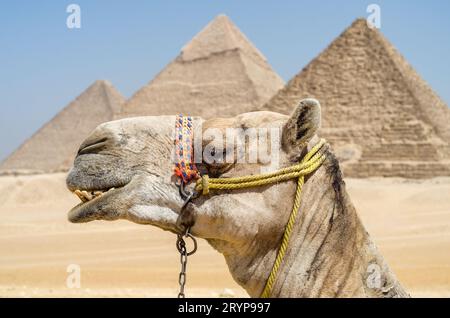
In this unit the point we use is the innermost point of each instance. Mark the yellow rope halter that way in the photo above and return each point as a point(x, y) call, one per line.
point(308, 164)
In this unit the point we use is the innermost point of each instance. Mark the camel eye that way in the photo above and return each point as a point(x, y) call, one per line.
point(213, 151)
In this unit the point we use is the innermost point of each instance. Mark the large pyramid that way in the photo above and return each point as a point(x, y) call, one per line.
point(380, 116)
point(218, 73)
point(53, 147)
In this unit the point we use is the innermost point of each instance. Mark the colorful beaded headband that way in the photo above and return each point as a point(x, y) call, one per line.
point(184, 153)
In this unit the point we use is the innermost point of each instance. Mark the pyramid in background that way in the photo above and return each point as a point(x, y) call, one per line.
point(53, 147)
point(381, 118)
point(218, 73)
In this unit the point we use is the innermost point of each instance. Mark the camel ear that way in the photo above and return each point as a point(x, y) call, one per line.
point(302, 125)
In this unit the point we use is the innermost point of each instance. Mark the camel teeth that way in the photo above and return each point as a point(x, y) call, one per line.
point(80, 195)
point(86, 196)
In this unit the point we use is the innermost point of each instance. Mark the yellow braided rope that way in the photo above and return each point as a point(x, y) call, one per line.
point(285, 241)
point(309, 163)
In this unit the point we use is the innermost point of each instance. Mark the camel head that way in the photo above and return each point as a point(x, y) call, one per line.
point(124, 170)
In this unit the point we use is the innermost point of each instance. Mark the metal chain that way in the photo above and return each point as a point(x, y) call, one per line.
point(181, 244)
point(181, 247)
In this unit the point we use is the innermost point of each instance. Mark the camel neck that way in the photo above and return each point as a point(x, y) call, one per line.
point(330, 254)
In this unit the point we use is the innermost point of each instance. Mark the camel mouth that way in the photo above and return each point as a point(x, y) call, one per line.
point(86, 196)
point(91, 200)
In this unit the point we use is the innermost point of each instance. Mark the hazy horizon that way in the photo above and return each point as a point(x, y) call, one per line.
point(45, 65)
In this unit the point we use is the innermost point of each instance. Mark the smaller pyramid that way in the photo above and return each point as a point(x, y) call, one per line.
point(54, 146)
point(380, 116)
point(218, 73)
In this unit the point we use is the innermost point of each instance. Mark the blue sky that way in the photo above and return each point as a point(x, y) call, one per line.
point(45, 65)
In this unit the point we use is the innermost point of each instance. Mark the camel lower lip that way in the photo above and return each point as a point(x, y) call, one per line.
point(84, 207)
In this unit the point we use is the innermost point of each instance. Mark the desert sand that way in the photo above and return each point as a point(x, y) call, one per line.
point(408, 219)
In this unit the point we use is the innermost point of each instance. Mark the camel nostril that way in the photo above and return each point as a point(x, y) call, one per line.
point(92, 146)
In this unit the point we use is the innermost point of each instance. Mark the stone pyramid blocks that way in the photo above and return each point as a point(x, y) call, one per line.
point(218, 73)
point(54, 146)
point(380, 116)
